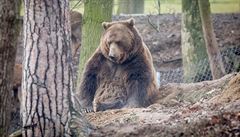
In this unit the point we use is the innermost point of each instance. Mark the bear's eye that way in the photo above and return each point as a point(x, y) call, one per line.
point(109, 43)
point(118, 42)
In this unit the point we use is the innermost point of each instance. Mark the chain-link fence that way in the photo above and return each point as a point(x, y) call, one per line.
point(230, 59)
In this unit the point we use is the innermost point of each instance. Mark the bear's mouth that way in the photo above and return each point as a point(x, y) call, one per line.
point(119, 60)
point(115, 60)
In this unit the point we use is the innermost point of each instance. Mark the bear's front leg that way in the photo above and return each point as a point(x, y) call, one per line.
point(88, 84)
point(137, 86)
point(87, 91)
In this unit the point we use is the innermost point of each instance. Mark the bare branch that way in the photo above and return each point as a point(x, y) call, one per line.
point(150, 22)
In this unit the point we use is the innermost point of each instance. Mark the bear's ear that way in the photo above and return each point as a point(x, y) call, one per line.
point(106, 25)
point(131, 21)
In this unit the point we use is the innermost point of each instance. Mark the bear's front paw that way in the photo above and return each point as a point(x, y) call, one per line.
point(108, 105)
point(132, 104)
point(87, 110)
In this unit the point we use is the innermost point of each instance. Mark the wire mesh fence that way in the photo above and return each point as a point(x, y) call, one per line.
point(230, 58)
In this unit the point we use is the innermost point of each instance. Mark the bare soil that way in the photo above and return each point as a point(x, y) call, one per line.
point(178, 112)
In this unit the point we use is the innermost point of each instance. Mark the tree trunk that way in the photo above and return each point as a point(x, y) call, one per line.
point(47, 72)
point(95, 12)
point(136, 6)
point(9, 11)
point(130, 6)
point(123, 7)
point(194, 52)
point(213, 51)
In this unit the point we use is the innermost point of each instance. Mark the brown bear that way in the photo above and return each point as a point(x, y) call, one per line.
point(120, 74)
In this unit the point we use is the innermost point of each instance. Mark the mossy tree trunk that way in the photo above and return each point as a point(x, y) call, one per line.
point(214, 55)
point(194, 52)
point(47, 72)
point(9, 24)
point(123, 7)
point(130, 6)
point(95, 12)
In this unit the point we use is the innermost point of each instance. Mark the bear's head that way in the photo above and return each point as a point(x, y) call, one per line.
point(120, 40)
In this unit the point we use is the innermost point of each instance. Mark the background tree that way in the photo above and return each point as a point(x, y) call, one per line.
point(130, 6)
point(47, 72)
point(214, 55)
point(193, 45)
point(95, 12)
point(9, 12)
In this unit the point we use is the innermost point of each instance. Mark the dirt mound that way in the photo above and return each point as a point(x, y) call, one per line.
point(232, 91)
point(225, 124)
point(182, 110)
point(174, 93)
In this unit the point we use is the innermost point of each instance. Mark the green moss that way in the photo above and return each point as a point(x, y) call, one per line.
point(96, 12)
point(193, 45)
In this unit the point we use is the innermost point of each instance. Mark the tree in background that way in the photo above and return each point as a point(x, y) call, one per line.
point(193, 45)
point(130, 6)
point(9, 31)
point(47, 72)
point(95, 12)
point(214, 55)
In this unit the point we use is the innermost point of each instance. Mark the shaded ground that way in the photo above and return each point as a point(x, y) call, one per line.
point(193, 110)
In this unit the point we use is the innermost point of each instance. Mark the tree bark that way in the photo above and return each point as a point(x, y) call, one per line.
point(47, 73)
point(95, 12)
point(213, 51)
point(9, 12)
point(194, 52)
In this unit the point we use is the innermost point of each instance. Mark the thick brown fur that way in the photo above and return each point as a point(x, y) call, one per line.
point(120, 74)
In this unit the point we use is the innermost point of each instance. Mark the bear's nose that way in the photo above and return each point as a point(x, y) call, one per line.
point(112, 57)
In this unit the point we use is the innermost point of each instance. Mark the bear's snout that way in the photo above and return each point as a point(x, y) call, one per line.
point(112, 57)
point(114, 52)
